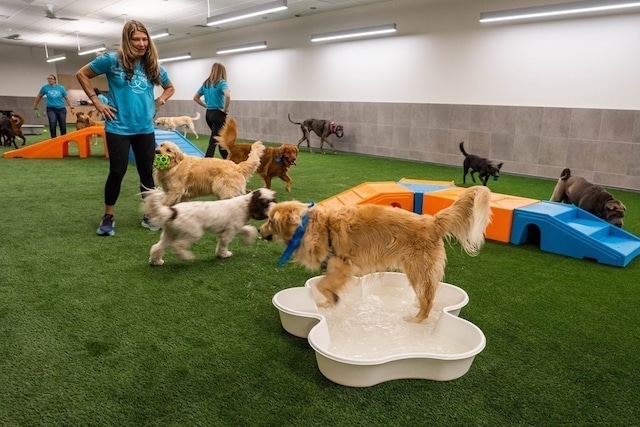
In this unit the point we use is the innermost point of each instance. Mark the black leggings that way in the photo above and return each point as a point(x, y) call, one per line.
point(144, 147)
point(215, 119)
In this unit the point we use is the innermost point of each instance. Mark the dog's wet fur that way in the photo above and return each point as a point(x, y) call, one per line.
point(484, 167)
point(591, 197)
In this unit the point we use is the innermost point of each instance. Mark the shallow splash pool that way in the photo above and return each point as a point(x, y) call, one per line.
point(365, 339)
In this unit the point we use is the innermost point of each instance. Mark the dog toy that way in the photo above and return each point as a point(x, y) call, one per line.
point(161, 161)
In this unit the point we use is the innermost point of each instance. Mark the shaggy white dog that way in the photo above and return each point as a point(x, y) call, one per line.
point(185, 223)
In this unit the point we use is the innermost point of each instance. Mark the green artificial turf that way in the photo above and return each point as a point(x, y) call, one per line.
point(91, 335)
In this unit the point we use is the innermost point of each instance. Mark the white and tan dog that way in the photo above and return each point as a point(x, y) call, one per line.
point(174, 123)
point(361, 239)
point(189, 176)
point(185, 223)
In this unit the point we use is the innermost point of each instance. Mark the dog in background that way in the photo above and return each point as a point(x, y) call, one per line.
point(187, 177)
point(275, 162)
point(185, 223)
point(11, 128)
point(360, 239)
point(322, 128)
point(7, 134)
point(483, 166)
point(174, 123)
point(591, 197)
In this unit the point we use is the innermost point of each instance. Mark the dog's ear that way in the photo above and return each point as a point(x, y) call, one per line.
point(500, 166)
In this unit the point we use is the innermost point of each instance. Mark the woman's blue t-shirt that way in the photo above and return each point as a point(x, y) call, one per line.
point(214, 95)
point(133, 99)
point(55, 95)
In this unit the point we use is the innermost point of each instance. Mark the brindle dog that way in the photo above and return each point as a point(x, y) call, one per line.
point(322, 128)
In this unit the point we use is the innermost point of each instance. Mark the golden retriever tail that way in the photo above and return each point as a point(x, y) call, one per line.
point(159, 213)
point(249, 166)
point(197, 117)
point(467, 218)
point(228, 135)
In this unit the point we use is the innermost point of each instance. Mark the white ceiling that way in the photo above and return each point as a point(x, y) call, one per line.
point(93, 22)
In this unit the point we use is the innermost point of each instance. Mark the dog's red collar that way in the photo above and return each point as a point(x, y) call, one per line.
point(332, 127)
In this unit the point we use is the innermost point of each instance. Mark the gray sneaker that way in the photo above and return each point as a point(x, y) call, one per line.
point(146, 223)
point(106, 226)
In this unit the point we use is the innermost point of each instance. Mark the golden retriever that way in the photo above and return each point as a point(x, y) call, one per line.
point(189, 176)
point(275, 161)
point(184, 122)
point(361, 239)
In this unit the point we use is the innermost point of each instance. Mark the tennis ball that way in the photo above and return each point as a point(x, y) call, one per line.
point(161, 161)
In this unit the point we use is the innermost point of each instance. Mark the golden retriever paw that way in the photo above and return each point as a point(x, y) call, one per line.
point(156, 262)
point(320, 299)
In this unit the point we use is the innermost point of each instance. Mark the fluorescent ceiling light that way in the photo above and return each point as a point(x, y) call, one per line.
point(250, 12)
point(176, 57)
point(242, 47)
point(556, 9)
point(356, 32)
point(93, 49)
point(55, 58)
point(158, 34)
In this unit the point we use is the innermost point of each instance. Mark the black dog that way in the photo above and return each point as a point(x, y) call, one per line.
point(485, 167)
point(7, 134)
point(322, 128)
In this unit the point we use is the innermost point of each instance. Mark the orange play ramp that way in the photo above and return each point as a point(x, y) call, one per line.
point(58, 147)
point(375, 193)
point(502, 207)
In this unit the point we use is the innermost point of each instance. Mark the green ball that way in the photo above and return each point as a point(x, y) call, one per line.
point(161, 161)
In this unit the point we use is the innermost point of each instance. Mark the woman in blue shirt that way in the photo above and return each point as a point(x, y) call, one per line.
point(132, 73)
point(216, 100)
point(56, 109)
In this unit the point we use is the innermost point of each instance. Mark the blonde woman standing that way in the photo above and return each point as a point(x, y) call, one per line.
point(217, 97)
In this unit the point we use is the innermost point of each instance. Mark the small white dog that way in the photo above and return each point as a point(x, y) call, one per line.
point(184, 122)
point(185, 223)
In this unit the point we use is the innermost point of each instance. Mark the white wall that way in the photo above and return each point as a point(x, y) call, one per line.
point(441, 54)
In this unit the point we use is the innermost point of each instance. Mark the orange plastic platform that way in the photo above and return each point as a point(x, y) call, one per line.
point(58, 147)
point(376, 193)
point(502, 207)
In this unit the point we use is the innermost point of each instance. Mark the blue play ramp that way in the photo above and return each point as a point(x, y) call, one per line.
point(568, 230)
point(176, 137)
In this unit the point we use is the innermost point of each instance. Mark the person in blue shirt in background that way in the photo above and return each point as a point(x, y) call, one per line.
point(217, 97)
point(56, 105)
point(132, 74)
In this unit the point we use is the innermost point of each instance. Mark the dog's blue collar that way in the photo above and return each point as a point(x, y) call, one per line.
point(295, 241)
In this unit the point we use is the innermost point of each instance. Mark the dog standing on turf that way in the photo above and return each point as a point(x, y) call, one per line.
point(275, 161)
point(185, 223)
point(591, 197)
point(359, 239)
point(184, 122)
point(322, 128)
point(484, 167)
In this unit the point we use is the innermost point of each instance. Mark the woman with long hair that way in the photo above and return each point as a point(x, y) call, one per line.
point(217, 97)
point(132, 73)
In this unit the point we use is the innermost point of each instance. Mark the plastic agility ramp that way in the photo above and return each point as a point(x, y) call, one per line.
point(58, 147)
point(563, 229)
point(568, 230)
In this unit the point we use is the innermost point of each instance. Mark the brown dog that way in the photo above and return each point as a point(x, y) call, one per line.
point(189, 176)
point(360, 239)
point(322, 128)
point(588, 196)
point(275, 162)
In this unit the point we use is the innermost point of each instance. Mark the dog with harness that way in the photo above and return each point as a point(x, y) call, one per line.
point(322, 128)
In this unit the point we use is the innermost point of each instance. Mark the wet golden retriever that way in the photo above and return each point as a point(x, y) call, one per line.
point(360, 239)
point(275, 161)
point(189, 176)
